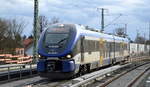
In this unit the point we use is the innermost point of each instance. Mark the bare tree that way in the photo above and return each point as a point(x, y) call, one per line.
point(3, 30)
point(16, 28)
point(43, 22)
point(11, 33)
point(54, 20)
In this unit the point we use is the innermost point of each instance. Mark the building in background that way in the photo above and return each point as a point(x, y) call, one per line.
point(28, 46)
point(22, 55)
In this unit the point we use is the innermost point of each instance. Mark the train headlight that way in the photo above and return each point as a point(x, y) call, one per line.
point(39, 56)
point(68, 56)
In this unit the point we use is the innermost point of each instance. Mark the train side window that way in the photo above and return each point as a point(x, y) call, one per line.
point(117, 47)
point(125, 46)
point(112, 46)
point(90, 47)
point(97, 46)
point(95, 49)
point(86, 45)
point(108, 48)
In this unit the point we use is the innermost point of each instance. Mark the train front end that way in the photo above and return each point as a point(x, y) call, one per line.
point(54, 49)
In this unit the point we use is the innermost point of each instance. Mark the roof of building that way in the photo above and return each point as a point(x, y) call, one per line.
point(27, 42)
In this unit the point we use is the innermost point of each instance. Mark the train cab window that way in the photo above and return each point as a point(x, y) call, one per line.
point(56, 38)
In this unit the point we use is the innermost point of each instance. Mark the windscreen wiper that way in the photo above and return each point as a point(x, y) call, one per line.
point(62, 40)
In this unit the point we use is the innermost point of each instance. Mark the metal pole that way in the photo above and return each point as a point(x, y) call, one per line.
point(149, 39)
point(8, 73)
point(35, 30)
point(20, 72)
point(102, 20)
point(137, 43)
point(125, 29)
point(30, 69)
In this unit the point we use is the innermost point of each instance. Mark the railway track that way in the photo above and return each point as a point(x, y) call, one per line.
point(106, 77)
point(124, 78)
point(116, 78)
point(35, 82)
point(40, 82)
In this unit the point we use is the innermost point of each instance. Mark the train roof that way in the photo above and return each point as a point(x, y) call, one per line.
point(83, 31)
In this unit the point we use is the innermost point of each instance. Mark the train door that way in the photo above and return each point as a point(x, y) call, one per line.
point(101, 51)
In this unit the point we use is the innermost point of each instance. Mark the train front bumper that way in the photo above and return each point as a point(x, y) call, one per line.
point(56, 75)
point(56, 69)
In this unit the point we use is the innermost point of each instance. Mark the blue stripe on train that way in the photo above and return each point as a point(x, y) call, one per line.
point(68, 66)
point(41, 66)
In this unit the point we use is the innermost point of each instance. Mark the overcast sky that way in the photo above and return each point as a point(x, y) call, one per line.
point(135, 13)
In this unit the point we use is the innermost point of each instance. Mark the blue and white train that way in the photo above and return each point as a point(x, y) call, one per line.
point(69, 49)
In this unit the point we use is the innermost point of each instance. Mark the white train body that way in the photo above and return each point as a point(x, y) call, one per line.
point(69, 49)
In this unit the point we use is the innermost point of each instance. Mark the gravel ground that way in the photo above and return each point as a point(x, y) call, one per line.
point(144, 81)
point(21, 82)
point(35, 82)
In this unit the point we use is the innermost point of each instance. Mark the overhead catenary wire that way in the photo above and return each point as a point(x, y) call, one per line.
point(110, 23)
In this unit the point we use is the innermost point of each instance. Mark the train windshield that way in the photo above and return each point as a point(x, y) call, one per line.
point(56, 38)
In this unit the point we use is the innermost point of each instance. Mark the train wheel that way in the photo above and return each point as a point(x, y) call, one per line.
point(113, 62)
point(88, 68)
point(83, 70)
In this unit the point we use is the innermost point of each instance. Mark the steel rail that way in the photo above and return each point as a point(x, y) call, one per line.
point(86, 79)
point(138, 77)
point(122, 74)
